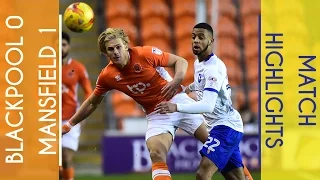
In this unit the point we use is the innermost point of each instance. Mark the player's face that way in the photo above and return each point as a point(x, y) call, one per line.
point(65, 48)
point(201, 40)
point(117, 51)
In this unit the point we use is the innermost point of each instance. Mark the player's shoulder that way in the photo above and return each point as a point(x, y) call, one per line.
point(77, 63)
point(214, 62)
point(136, 52)
point(109, 69)
point(147, 50)
point(143, 54)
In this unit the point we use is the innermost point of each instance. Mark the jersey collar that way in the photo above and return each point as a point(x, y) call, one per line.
point(209, 57)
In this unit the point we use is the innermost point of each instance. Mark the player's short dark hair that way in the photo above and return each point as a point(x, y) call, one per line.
point(66, 36)
point(204, 26)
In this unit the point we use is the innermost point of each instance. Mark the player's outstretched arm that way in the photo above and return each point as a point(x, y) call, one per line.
point(87, 108)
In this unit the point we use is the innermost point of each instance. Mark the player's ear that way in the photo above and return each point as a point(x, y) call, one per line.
point(126, 47)
point(211, 41)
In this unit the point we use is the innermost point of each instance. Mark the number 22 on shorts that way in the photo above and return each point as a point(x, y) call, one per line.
point(210, 146)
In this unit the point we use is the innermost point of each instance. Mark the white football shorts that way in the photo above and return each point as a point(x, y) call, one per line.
point(71, 139)
point(170, 122)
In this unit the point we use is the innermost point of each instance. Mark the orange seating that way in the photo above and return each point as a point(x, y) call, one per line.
point(120, 8)
point(254, 100)
point(234, 72)
point(154, 8)
point(184, 49)
point(252, 72)
point(183, 8)
point(251, 46)
point(155, 28)
point(250, 26)
point(227, 28)
point(125, 106)
point(183, 27)
point(249, 7)
point(225, 8)
point(159, 43)
point(239, 98)
point(228, 49)
point(127, 26)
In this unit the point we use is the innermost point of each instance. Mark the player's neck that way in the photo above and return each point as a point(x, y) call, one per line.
point(65, 60)
point(204, 56)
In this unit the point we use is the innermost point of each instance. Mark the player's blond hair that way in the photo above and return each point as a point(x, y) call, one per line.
point(110, 34)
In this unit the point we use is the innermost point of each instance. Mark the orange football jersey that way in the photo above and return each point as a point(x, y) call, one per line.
point(142, 78)
point(73, 74)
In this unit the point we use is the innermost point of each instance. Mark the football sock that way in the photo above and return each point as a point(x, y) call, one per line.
point(68, 173)
point(247, 173)
point(160, 171)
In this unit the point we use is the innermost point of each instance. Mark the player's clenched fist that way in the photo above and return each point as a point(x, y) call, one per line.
point(66, 128)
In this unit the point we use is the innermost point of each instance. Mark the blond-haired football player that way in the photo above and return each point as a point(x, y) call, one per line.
point(139, 73)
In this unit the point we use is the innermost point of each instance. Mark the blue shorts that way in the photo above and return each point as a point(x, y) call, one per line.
point(222, 148)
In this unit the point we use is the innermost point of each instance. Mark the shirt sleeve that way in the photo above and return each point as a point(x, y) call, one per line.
point(101, 85)
point(155, 56)
point(213, 82)
point(213, 79)
point(85, 82)
point(206, 105)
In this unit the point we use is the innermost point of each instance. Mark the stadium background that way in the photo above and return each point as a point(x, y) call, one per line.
point(166, 24)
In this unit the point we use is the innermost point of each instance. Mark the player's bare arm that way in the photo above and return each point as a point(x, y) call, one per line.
point(85, 110)
point(86, 87)
point(189, 88)
point(180, 65)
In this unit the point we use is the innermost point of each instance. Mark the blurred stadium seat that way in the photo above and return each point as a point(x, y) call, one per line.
point(249, 7)
point(122, 14)
point(120, 8)
point(227, 28)
point(254, 100)
point(154, 8)
point(187, 8)
point(183, 27)
point(238, 97)
point(228, 49)
point(226, 8)
point(250, 26)
point(155, 28)
point(234, 72)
